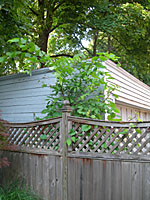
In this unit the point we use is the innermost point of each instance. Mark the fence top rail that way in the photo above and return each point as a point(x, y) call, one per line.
point(105, 156)
point(90, 121)
point(32, 124)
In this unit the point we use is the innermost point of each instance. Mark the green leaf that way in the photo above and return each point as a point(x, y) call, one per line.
point(23, 41)
point(68, 142)
point(90, 143)
point(111, 116)
point(138, 117)
point(104, 145)
point(138, 130)
point(132, 125)
point(28, 55)
point(73, 139)
point(85, 128)
point(72, 132)
point(44, 85)
point(123, 132)
point(43, 137)
point(138, 145)
point(14, 40)
point(2, 59)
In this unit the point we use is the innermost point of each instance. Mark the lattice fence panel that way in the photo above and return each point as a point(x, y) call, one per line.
point(110, 139)
point(41, 136)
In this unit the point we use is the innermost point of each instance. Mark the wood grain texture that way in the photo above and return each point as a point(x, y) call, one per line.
point(88, 178)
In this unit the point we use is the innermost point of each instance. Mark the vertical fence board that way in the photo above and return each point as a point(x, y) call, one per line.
point(88, 179)
point(126, 180)
point(97, 180)
point(108, 177)
point(30, 171)
point(58, 178)
point(116, 180)
point(39, 174)
point(52, 177)
point(135, 178)
point(46, 174)
point(33, 166)
point(146, 181)
point(78, 179)
point(71, 179)
point(26, 168)
point(86, 172)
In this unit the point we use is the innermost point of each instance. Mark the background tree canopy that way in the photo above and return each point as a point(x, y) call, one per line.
point(61, 27)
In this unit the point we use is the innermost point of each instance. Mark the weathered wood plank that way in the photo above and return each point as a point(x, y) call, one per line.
point(135, 178)
point(35, 123)
point(90, 121)
point(52, 177)
point(58, 177)
point(126, 181)
point(116, 180)
point(146, 181)
point(97, 180)
point(72, 178)
point(88, 178)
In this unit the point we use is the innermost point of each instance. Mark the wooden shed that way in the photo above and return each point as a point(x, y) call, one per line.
point(22, 97)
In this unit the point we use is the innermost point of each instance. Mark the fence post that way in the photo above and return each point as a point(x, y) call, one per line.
point(64, 129)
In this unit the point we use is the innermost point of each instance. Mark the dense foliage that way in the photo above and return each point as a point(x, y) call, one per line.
point(61, 28)
point(25, 57)
point(83, 83)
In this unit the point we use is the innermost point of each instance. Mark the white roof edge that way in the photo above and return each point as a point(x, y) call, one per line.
point(120, 69)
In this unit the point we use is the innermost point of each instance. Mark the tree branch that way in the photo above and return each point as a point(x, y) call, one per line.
point(33, 11)
point(56, 7)
point(121, 44)
point(63, 54)
point(85, 48)
point(51, 30)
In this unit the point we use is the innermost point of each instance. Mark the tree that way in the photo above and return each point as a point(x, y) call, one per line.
point(13, 22)
point(25, 57)
point(59, 28)
point(51, 15)
point(82, 82)
point(119, 27)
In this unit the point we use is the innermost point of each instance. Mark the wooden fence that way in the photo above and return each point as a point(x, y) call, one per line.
point(105, 161)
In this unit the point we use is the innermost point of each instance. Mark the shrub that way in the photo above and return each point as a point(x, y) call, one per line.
point(4, 144)
point(83, 83)
point(16, 191)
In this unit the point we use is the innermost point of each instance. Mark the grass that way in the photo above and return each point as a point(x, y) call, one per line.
point(16, 191)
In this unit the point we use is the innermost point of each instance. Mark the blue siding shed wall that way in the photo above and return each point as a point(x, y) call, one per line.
point(22, 96)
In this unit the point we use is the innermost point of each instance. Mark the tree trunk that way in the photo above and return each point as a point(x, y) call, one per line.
point(95, 43)
point(43, 40)
point(109, 45)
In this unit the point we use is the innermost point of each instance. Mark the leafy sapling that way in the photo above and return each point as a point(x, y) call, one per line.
point(82, 82)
